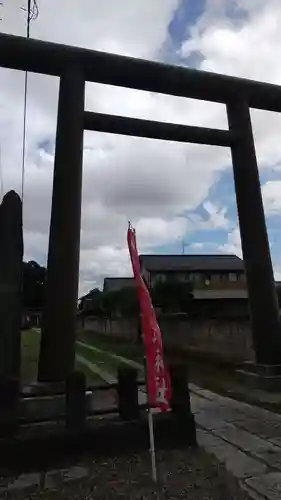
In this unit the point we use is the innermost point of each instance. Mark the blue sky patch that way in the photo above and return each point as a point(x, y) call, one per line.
point(47, 145)
point(184, 18)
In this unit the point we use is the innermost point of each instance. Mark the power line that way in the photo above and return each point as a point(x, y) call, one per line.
point(32, 14)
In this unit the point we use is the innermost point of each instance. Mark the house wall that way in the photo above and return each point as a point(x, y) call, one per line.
point(217, 280)
point(228, 339)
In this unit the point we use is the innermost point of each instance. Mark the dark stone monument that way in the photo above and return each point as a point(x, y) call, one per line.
point(11, 255)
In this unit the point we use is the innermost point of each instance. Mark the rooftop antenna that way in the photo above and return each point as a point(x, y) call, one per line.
point(183, 245)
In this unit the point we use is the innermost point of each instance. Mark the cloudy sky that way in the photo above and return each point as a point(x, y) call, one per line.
point(171, 192)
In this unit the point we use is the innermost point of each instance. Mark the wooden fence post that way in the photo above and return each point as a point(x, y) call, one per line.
point(128, 405)
point(180, 403)
point(76, 410)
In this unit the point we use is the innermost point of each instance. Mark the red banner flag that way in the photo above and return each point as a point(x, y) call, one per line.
point(158, 378)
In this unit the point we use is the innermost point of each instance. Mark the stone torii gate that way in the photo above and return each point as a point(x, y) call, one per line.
point(75, 66)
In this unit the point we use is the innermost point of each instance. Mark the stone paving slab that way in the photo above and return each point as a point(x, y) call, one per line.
point(247, 439)
point(244, 408)
point(237, 462)
point(260, 428)
point(210, 422)
point(271, 457)
point(243, 439)
point(252, 493)
point(268, 485)
point(276, 441)
point(202, 392)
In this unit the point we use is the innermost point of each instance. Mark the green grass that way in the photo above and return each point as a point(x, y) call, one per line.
point(91, 377)
point(30, 346)
point(103, 360)
point(119, 346)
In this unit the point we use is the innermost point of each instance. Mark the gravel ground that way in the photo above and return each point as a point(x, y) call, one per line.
point(190, 474)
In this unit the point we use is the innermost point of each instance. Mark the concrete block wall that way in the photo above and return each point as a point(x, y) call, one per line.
point(226, 339)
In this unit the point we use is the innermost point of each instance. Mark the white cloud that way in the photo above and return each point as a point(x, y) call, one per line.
point(248, 47)
point(271, 192)
point(152, 183)
point(233, 245)
point(196, 246)
point(146, 181)
point(217, 215)
point(277, 274)
point(134, 28)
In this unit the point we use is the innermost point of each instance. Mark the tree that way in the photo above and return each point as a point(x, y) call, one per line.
point(122, 302)
point(34, 278)
point(127, 302)
point(92, 303)
point(172, 296)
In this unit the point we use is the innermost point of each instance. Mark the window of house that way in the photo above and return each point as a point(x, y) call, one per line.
point(159, 277)
point(192, 276)
point(233, 277)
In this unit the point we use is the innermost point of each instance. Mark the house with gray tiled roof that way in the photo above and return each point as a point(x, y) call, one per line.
point(212, 276)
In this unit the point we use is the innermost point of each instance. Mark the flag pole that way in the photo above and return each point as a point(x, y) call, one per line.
point(151, 435)
point(150, 430)
point(158, 386)
point(152, 445)
point(151, 438)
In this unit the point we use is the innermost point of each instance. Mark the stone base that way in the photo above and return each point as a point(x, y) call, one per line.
point(43, 389)
point(264, 377)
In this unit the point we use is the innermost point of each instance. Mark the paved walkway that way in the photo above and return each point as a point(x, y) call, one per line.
point(245, 438)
